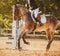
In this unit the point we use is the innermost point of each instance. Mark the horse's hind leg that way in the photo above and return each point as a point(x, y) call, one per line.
point(50, 38)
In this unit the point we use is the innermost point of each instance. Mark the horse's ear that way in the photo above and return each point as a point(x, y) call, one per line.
point(13, 6)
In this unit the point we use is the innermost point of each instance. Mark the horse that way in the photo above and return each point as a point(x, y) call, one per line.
point(28, 25)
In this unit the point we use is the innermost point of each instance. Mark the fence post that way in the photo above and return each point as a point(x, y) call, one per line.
point(14, 33)
point(15, 28)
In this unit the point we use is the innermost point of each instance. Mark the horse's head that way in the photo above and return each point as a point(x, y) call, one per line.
point(19, 11)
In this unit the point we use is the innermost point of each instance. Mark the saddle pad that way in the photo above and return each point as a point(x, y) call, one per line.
point(43, 19)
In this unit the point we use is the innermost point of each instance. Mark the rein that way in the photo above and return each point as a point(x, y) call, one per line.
point(23, 14)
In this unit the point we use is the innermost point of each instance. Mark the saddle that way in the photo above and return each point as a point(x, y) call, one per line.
point(38, 17)
point(41, 19)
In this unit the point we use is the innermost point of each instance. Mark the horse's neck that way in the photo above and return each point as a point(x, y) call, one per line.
point(24, 9)
point(26, 15)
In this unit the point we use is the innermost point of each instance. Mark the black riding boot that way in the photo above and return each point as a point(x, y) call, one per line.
point(40, 23)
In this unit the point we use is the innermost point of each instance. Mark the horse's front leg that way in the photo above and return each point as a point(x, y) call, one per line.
point(24, 39)
point(50, 38)
point(20, 36)
point(19, 41)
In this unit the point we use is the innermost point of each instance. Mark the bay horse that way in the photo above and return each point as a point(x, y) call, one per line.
point(29, 26)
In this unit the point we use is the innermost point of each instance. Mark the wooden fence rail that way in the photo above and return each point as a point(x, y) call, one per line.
point(33, 34)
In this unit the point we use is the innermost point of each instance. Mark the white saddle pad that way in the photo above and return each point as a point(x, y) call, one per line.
point(43, 19)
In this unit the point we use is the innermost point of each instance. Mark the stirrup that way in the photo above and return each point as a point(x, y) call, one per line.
point(40, 23)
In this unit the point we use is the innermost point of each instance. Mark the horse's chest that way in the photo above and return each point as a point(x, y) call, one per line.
point(26, 23)
point(23, 22)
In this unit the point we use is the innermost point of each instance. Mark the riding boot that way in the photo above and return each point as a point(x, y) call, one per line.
point(40, 23)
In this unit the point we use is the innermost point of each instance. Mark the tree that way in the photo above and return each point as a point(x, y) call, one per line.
point(47, 6)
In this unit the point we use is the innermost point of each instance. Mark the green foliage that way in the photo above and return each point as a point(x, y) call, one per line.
point(47, 6)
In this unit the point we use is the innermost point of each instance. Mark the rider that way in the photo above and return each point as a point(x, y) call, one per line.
point(33, 8)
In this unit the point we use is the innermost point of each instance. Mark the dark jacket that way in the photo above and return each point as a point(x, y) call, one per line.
point(33, 4)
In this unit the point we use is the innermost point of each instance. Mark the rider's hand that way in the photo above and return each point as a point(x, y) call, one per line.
point(40, 11)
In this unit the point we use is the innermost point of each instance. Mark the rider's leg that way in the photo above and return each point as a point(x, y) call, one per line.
point(36, 12)
point(32, 13)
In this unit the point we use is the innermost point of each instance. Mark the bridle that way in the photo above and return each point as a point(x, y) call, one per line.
point(23, 14)
point(20, 14)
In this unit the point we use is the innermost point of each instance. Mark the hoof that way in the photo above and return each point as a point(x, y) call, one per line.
point(27, 43)
point(20, 48)
point(47, 50)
